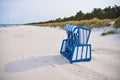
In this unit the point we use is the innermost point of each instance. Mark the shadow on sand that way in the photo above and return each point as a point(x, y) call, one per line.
point(35, 62)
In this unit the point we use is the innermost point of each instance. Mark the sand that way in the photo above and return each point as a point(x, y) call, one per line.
point(32, 53)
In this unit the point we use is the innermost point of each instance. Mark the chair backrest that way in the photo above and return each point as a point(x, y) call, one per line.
point(84, 34)
point(70, 28)
point(80, 32)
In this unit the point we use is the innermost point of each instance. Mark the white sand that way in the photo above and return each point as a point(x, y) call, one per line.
point(32, 53)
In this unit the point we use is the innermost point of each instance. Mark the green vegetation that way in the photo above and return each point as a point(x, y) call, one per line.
point(96, 18)
point(109, 32)
point(117, 23)
point(95, 22)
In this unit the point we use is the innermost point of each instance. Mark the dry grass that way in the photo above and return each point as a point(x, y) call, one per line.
point(117, 23)
point(89, 23)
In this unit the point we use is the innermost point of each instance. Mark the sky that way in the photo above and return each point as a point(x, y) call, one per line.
point(27, 11)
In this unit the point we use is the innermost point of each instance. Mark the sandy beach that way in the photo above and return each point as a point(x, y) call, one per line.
point(33, 53)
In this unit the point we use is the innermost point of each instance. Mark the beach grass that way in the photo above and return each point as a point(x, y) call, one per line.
point(109, 32)
point(117, 23)
point(95, 22)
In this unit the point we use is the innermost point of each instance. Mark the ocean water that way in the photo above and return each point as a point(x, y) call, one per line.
point(8, 25)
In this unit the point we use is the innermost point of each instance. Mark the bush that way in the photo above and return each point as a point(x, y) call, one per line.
point(117, 23)
point(109, 32)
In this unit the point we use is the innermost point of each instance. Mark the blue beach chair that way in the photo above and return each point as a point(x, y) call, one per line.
point(76, 48)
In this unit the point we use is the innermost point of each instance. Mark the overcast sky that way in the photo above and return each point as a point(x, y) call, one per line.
point(26, 11)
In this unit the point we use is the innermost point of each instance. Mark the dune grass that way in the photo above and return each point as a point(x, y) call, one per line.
point(117, 23)
point(109, 32)
point(95, 22)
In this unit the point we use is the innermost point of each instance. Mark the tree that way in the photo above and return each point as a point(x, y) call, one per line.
point(97, 13)
point(58, 20)
point(117, 11)
point(79, 15)
point(87, 16)
point(108, 12)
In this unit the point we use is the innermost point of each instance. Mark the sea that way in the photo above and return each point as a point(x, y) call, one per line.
point(8, 25)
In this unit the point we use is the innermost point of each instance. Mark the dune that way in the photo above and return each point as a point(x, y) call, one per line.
point(32, 53)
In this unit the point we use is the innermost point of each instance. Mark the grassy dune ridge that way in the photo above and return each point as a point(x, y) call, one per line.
point(95, 22)
point(117, 23)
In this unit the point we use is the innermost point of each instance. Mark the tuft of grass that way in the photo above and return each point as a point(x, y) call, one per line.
point(117, 23)
point(109, 32)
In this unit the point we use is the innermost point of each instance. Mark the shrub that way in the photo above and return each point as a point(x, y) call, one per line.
point(117, 23)
point(109, 32)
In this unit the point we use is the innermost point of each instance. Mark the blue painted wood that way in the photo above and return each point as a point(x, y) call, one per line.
point(77, 37)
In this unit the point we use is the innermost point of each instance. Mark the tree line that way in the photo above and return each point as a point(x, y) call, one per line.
point(106, 13)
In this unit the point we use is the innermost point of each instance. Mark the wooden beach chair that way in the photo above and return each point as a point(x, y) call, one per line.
point(76, 48)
